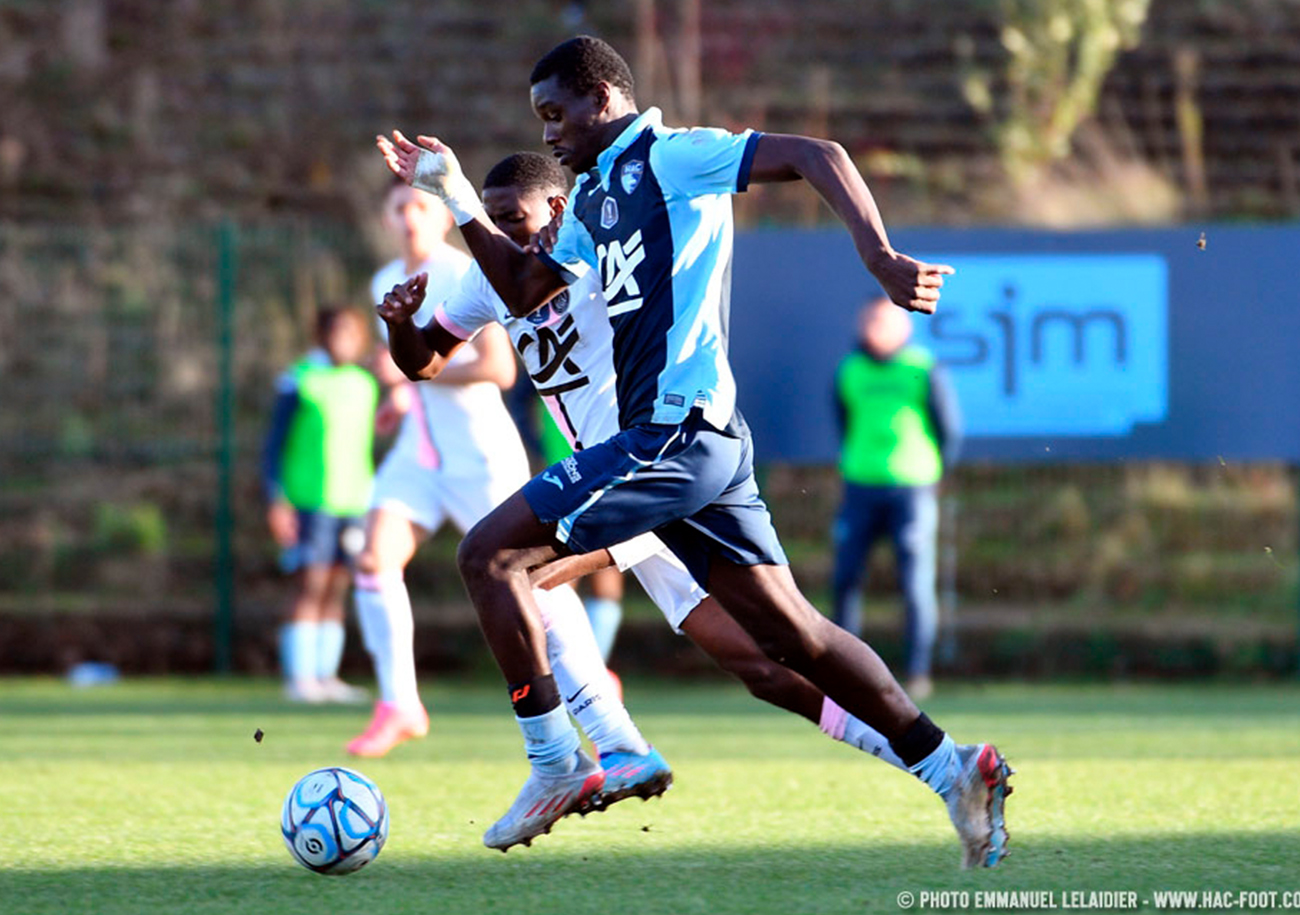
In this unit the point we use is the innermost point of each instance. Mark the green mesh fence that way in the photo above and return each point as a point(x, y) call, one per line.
point(127, 470)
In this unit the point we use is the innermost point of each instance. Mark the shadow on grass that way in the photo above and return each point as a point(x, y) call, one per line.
point(813, 878)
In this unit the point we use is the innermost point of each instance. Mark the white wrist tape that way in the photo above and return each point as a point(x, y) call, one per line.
point(435, 174)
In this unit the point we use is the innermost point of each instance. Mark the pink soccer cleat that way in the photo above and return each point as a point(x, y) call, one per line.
point(390, 726)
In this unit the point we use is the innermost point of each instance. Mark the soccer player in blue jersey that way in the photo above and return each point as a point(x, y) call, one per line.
point(651, 212)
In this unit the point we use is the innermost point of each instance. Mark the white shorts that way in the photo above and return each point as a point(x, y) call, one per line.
point(429, 497)
point(670, 586)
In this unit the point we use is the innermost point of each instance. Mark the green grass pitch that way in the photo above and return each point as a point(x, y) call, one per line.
point(152, 796)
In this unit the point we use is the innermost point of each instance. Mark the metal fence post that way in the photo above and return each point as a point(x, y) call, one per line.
point(224, 617)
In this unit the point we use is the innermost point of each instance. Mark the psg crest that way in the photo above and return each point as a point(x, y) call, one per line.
point(631, 175)
point(555, 307)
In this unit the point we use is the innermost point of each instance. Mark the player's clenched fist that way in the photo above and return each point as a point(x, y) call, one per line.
point(910, 283)
point(432, 166)
point(404, 300)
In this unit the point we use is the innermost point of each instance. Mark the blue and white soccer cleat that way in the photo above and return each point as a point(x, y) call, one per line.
point(976, 804)
point(543, 800)
point(629, 774)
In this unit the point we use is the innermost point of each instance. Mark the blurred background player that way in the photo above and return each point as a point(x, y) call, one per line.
point(900, 430)
point(317, 470)
point(604, 599)
point(456, 455)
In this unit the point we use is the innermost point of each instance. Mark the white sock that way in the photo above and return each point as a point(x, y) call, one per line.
point(838, 723)
point(581, 676)
point(550, 741)
point(939, 770)
point(384, 611)
point(604, 615)
point(298, 651)
point(330, 638)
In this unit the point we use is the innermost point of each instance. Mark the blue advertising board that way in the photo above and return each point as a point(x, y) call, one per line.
point(1084, 346)
point(1054, 344)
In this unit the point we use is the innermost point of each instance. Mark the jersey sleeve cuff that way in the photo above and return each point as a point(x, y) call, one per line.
point(747, 162)
point(450, 326)
point(564, 272)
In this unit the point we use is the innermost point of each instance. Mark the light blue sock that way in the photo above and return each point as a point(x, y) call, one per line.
point(939, 770)
point(550, 741)
point(604, 615)
point(298, 651)
point(330, 636)
point(286, 650)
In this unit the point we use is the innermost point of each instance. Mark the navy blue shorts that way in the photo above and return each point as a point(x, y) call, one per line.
point(325, 540)
point(691, 484)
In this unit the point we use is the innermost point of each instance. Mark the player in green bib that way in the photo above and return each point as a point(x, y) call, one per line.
point(900, 429)
point(318, 468)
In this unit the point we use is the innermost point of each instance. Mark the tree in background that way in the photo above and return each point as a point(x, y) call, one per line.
point(1041, 105)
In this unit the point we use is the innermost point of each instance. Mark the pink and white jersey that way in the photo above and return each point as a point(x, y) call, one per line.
point(566, 346)
point(462, 430)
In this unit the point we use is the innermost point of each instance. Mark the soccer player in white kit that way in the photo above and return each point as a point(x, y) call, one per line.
point(566, 348)
point(457, 456)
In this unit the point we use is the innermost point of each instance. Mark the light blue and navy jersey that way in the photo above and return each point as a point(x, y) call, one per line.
point(654, 219)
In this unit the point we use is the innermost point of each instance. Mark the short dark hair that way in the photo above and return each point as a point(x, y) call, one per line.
point(579, 64)
point(327, 316)
point(527, 171)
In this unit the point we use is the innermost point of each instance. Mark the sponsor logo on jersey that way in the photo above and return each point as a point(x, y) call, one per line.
point(554, 344)
point(631, 175)
point(609, 213)
point(617, 264)
point(570, 465)
point(552, 478)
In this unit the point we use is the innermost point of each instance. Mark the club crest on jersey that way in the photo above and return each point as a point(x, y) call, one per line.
point(555, 308)
point(631, 175)
point(609, 213)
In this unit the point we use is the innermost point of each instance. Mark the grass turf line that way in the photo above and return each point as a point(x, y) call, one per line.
point(153, 796)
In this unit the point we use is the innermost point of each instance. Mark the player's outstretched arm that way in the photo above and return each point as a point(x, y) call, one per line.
point(420, 352)
point(568, 569)
point(523, 281)
point(827, 167)
point(495, 361)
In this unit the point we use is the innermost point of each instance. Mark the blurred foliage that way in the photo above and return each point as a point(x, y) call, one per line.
point(944, 111)
point(1059, 54)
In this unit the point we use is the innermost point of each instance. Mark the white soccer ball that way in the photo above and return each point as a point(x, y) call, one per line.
point(334, 820)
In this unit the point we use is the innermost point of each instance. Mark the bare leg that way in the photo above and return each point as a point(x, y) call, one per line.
point(765, 600)
point(384, 609)
point(391, 541)
point(568, 569)
point(313, 592)
point(606, 583)
point(494, 559)
point(726, 641)
point(721, 637)
point(334, 600)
